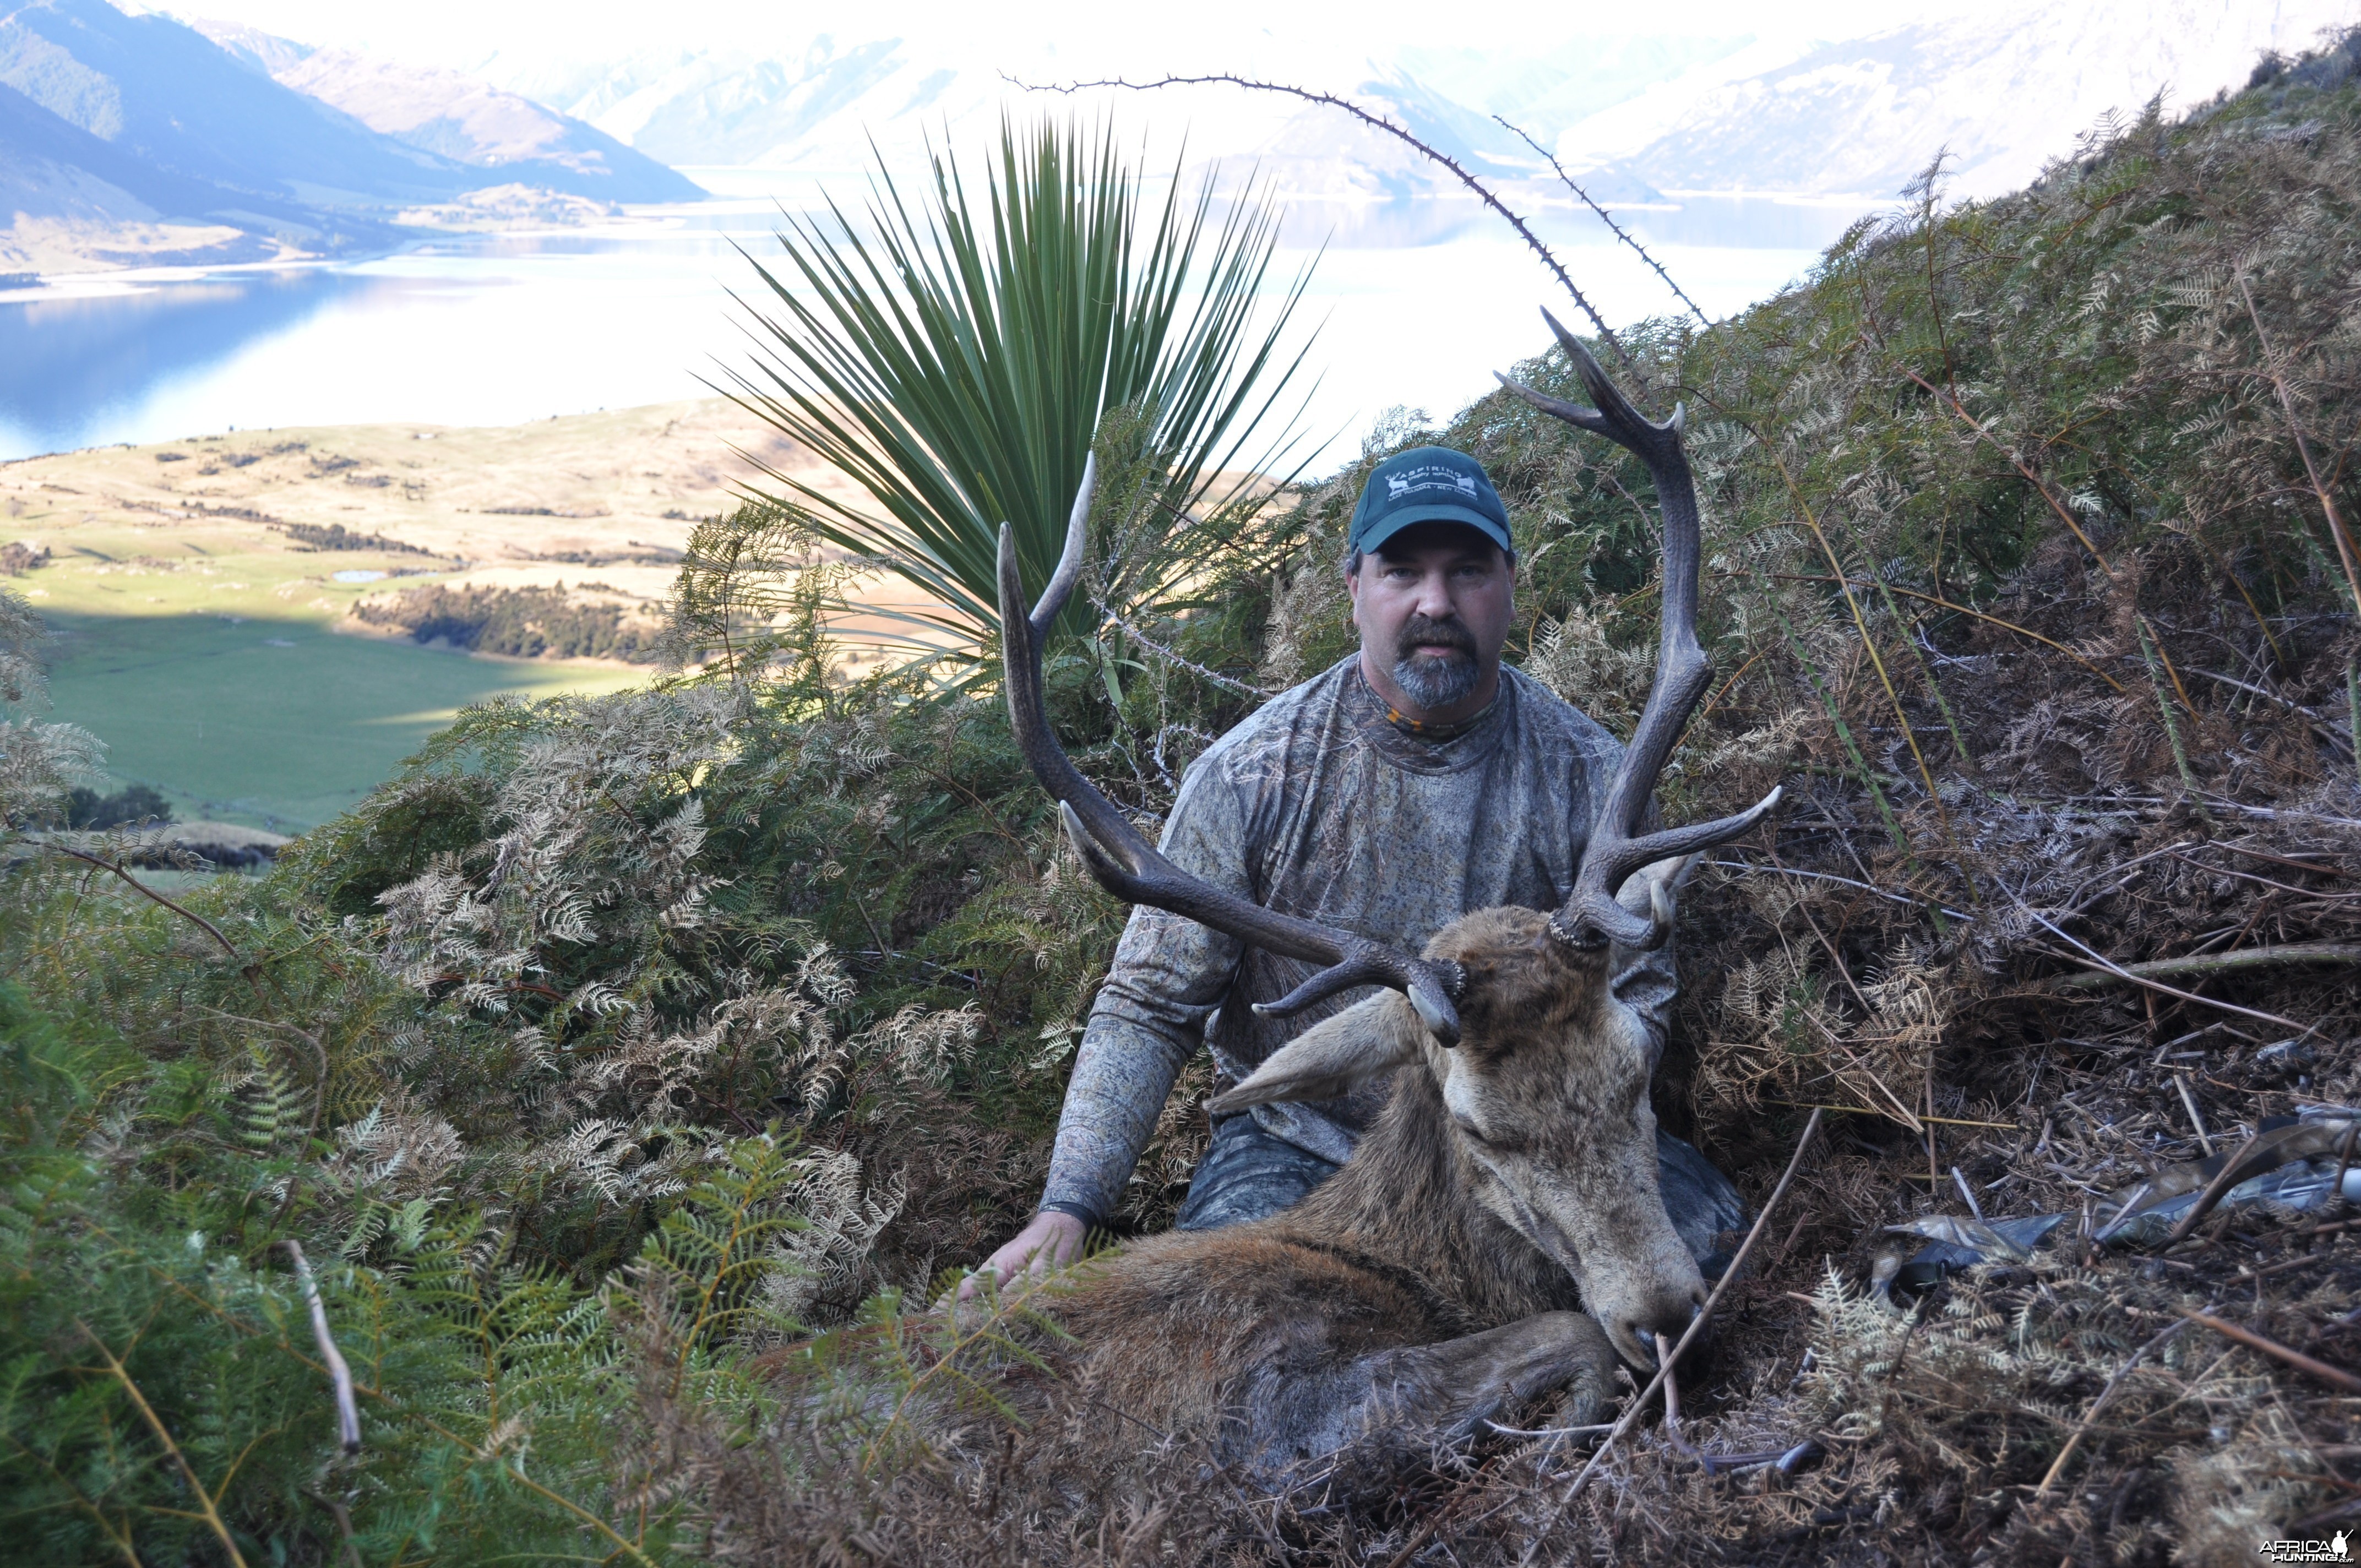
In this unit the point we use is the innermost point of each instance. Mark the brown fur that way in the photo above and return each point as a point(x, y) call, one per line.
point(1433, 1282)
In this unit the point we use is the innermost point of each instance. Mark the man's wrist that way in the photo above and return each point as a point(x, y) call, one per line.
point(1073, 1211)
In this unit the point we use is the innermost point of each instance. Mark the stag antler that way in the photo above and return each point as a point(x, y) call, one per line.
point(1128, 866)
point(1617, 849)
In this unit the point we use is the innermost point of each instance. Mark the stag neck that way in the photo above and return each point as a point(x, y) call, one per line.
point(1407, 1199)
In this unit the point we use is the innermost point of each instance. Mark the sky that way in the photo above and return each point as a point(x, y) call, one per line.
point(459, 33)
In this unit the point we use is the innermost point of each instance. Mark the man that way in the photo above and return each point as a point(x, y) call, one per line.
point(1412, 782)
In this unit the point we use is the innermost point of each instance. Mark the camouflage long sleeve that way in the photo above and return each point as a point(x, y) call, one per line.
point(1169, 975)
point(1319, 805)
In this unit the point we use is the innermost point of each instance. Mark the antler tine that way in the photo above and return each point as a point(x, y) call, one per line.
point(1128, 866)
point(1069, 559)
point(1617, 849)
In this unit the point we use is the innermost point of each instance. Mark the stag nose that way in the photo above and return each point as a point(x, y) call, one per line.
point(1668, 1316)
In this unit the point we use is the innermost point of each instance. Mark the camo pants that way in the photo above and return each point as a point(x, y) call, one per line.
point(1249, 1173)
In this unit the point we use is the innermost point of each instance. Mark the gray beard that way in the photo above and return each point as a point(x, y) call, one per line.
point(1438, 683)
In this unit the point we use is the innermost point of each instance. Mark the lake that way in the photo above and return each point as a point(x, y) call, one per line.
point(1417, 302)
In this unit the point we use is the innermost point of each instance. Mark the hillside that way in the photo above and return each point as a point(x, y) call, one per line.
point(189, 582)
point(626, 1078)
point(189, 577)
point(129, 139)
point(510, 139)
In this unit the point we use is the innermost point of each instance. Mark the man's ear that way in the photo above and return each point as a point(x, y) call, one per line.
point(1333, 1057)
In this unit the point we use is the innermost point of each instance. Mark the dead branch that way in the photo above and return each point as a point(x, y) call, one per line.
point(2118, 971)
point(2336, 953)
point(122, 1375)
point(2335, 1376)
point(144, 890)
point(2074, 1439)
point(1607, 218)
point(1711, 1464)
point(348, 1415)
point(2064, 514)
point(1842, 881)
point(1379, 122)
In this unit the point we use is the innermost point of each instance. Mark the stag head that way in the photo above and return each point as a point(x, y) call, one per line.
point(1541, 1070)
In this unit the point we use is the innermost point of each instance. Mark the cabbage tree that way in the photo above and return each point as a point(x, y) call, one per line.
point(955, 360)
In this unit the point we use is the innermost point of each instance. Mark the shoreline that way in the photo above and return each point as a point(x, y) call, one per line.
point(105, 281)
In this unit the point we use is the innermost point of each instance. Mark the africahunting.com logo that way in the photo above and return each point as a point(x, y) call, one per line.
point(2337, 1549)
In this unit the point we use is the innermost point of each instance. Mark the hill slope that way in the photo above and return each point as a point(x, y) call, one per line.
point(135, 137)
point(502, 136)
point(165, 93)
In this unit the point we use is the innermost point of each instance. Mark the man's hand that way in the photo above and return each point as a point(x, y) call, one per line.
point(1052, 1240)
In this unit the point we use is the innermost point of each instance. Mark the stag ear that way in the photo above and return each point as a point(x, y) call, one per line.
point(1333, 1057)
point(1652, 891)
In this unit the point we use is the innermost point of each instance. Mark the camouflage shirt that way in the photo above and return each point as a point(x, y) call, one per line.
point(1325, 805)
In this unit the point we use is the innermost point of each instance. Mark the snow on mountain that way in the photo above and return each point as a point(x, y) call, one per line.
point(816, 103)
point(127, 136)
point(471, 122)
point(2004, 89)
point(253, 47)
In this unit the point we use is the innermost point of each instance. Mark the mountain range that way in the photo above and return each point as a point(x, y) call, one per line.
point(2000, 86)
point(129, 137)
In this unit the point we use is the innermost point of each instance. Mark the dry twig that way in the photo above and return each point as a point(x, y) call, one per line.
point(154, 1424)
point(2074, 1439)
point(2337, 953)
point(2335, 1376)
point(1483, 193)
point(348, 1415)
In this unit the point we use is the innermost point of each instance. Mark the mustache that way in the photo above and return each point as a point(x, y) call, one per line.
point(1446, 633)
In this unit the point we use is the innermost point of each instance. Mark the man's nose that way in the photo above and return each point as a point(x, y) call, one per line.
point(1434, 597)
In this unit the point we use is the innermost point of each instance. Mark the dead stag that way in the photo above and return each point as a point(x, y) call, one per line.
point(1498, 1233)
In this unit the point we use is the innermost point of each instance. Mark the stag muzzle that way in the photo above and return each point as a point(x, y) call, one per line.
point(1637, 1277)
point(1635, 1311)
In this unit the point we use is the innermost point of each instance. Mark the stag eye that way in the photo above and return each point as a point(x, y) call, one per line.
point(1467, 1126)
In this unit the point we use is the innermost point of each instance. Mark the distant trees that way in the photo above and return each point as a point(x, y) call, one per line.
point(309, 536)
point(134, 805)
point(526, 623)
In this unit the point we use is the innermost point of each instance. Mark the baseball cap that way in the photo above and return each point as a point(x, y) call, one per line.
point(1427, 484)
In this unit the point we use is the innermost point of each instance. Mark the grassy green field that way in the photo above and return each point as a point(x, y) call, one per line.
point(217, 655)
point(280, 723)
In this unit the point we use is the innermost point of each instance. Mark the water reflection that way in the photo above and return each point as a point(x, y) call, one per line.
point(495, 329)
point(70, 366)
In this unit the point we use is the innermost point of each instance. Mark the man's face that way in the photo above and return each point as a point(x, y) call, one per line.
point(1435, 606)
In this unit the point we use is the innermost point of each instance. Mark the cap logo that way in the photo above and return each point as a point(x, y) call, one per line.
point(1433, 478)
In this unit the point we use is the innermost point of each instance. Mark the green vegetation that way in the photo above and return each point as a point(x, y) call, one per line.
point(132, 807)
point(335, 536)
point(956, 364)
point(524, 623)
point(632, 1068)
point(276, 722)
